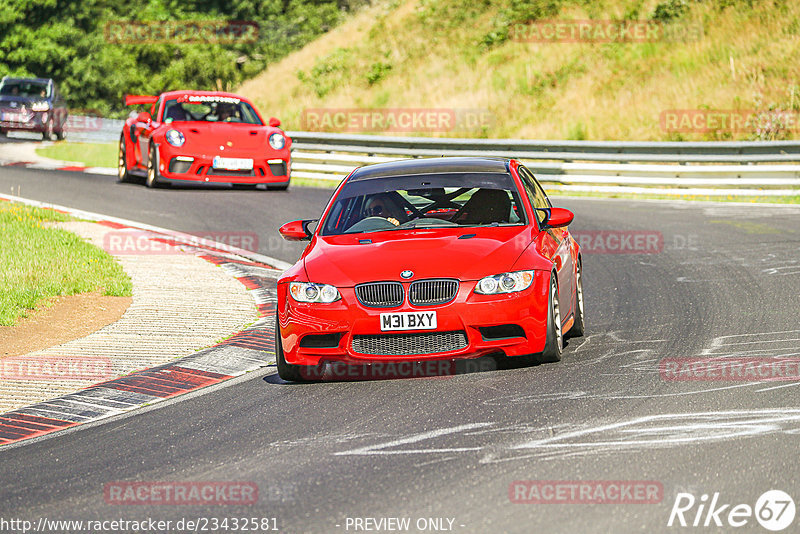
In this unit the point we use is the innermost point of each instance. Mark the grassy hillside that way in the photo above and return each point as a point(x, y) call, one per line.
point(458, 55)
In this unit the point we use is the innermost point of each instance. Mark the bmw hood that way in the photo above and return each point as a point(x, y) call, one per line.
point(464, 253)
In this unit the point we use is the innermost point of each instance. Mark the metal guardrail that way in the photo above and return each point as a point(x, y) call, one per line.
point(707, 151)
point(721, 168)
point(764, 168)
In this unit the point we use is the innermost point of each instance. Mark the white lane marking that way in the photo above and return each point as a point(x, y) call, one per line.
point(777, 387)
point(575, 395)
point(760, 341)
point(416, 438)
point(636, 434)
point(677, 394)
point(688, 428)
point(436, 461)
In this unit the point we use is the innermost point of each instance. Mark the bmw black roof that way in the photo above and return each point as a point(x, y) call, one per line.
point(431, 166)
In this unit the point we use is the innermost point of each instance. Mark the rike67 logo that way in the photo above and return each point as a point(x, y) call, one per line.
point(774, 510)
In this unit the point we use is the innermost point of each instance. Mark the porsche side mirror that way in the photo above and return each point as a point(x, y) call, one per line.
point(296, 230)
point(143, 117)
point(557, 218)
point(274, 122)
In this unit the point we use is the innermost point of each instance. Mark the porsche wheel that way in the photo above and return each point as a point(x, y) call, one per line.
point(578, 328)
point(554, 344)
point(152, 169)
point(286, 371)
point(122, 163)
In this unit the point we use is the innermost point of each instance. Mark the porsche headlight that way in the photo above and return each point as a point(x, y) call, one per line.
point(310, 292)
point(40, 106)
point(277, 141)
point(175, 138)
point(504, 283)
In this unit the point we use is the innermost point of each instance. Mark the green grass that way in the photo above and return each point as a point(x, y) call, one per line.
point(89, 154)
point(40, 262)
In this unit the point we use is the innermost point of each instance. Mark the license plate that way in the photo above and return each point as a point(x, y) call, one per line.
point(408, 321)
point(13, 117)
point(233, 164)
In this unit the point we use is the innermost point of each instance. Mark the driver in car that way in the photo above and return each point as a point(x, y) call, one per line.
point(226, 111)
point(383, 205)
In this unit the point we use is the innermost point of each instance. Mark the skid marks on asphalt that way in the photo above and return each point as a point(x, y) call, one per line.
point(618, 355)
point(768, 258)
point(602, 349)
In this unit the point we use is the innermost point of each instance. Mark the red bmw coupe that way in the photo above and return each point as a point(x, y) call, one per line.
point(203, 137)
point(430, 259)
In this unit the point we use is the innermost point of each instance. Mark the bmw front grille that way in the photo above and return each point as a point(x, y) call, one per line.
point(380, 294)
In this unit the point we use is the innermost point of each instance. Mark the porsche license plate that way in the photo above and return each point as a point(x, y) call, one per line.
point(232, 164)
point(12, 117)
point(408, 321)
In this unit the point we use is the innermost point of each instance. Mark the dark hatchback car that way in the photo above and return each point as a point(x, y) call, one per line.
point(32, 105)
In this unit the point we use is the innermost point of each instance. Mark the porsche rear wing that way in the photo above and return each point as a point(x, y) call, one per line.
point(132, 100)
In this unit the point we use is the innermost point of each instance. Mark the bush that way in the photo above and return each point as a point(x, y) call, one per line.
point(66, 41)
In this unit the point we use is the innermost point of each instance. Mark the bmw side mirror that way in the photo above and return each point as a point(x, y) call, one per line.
point(274, 122)
point(556, 217)
point(297, 230)
point(143, 117)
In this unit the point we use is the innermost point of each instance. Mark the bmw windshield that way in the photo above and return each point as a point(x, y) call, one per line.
point(425, 201)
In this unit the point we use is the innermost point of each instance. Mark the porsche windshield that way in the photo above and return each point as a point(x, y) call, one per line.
point(425, 201)
point(210, 109)
point(24, 88)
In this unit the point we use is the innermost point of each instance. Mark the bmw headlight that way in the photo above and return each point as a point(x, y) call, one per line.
point(40, 106)
point(310, 292)
point(277, 141)
point(175, 138)
point(504, 283)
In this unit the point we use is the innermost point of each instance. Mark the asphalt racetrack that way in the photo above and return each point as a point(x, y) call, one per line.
point(720, 280)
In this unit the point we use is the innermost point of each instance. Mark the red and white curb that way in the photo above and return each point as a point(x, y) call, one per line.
point(248, 350)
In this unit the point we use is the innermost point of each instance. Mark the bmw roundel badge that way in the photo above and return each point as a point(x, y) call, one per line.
point(406, 274)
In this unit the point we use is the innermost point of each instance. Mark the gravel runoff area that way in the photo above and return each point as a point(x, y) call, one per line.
point(181, 303)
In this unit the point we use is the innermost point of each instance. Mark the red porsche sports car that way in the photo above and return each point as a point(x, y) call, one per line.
point(201, 137)
point(430, 259)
